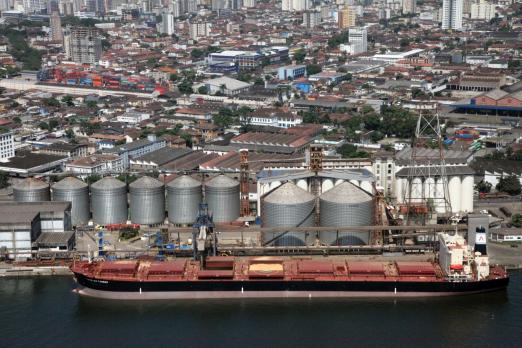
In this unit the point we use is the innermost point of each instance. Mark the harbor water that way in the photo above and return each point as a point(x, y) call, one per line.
point(44, 312)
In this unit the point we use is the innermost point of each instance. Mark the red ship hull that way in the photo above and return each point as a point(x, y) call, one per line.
point(273, 278)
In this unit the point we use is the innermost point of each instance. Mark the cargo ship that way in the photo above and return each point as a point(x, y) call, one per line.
point(457, 270)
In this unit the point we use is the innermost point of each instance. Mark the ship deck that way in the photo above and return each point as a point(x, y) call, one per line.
point(263, 268)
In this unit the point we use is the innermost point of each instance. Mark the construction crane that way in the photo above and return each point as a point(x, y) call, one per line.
point(243, 183)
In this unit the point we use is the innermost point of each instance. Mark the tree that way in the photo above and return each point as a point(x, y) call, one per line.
point(203, 90)
point(43, 125)
point(17, 120)
point(70, 134)
point(224, 118)
point(483, 187)
point(516, 220)
point(53, 124)
point(313, 69)
point(299, 55)
point(510, 185)
point(91, 179)
point(174, 77)
point(185, 87)
point(68, 100)
point(91, 104)
point(196, 53)
point(4, 180)
point(51, 102)
point(350, 151)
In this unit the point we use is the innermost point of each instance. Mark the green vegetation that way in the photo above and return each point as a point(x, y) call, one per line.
point(483, 187)
point(313, 69)
point(516, 220)
point(77, 22)
point(4, 180)
point(510, 185)
point(350, 151)
point(128, 233)
point(185, 87)
point(30, 57)
point(91, 179)
point(127, 178)
point(338, 39)
point(300, 55)
point(203, 90)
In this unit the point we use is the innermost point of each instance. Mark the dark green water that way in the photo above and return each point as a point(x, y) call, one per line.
point(43, 312)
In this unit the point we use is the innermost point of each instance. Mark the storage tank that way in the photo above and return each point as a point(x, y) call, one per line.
point(109, 201)
point(222, 195)
point(454, 187)
point(183, 199)
point(287, 206)
point(466, 200)
point(345, 205)
point(75, 191)
point(147, 201)
point(31, 190)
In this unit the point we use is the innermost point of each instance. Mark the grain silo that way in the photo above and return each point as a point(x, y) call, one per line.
point(345, 205)
point(222, 196)
point(109, 201)
point(75, 191)
point(147, 201)
point(287, 206)
point(183, 198)
point(31, 190)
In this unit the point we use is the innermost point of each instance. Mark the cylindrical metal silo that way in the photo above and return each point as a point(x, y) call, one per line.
point(31, 190)
point(345, 205)
point(222, 196)
point(109, 201)
point(147, 201)
point(75, 191)
point(183, 199)
point(454, 187)
point(287, 206)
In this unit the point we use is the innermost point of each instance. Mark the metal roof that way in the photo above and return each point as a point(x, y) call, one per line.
point(184, 181)
point(30, 184)
point(70, 183)
point(346, 192)
point(107, 183)
point(351, 174)
point(222, 181)
point(289, 193)
point(146, 182)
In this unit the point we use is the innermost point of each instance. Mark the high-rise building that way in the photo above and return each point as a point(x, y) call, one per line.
point(5, 5)
point(167, 24)
point(199, 29)
point(481, 9)
point(52, 5)
point(346, 17)
point(235, 4)
point(83, 45)
point(311, 19)
point(357, 39)
point(7, 149)
point(66, 8)
point(295, 5)
point(249, 3)
point(409, 6)
point(34, 6)
point(452, 14)
point(56, 27)
point(218, 5)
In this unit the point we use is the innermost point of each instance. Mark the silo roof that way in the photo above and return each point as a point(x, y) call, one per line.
point(346, 192)
point(289, 193)
point(222, 181)
point(184, 181)
point(108, 183)
point(31, 184)
point(70, 183)
point(146, 182)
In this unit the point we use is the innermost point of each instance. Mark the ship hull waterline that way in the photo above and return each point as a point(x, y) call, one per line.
point(124, 290)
